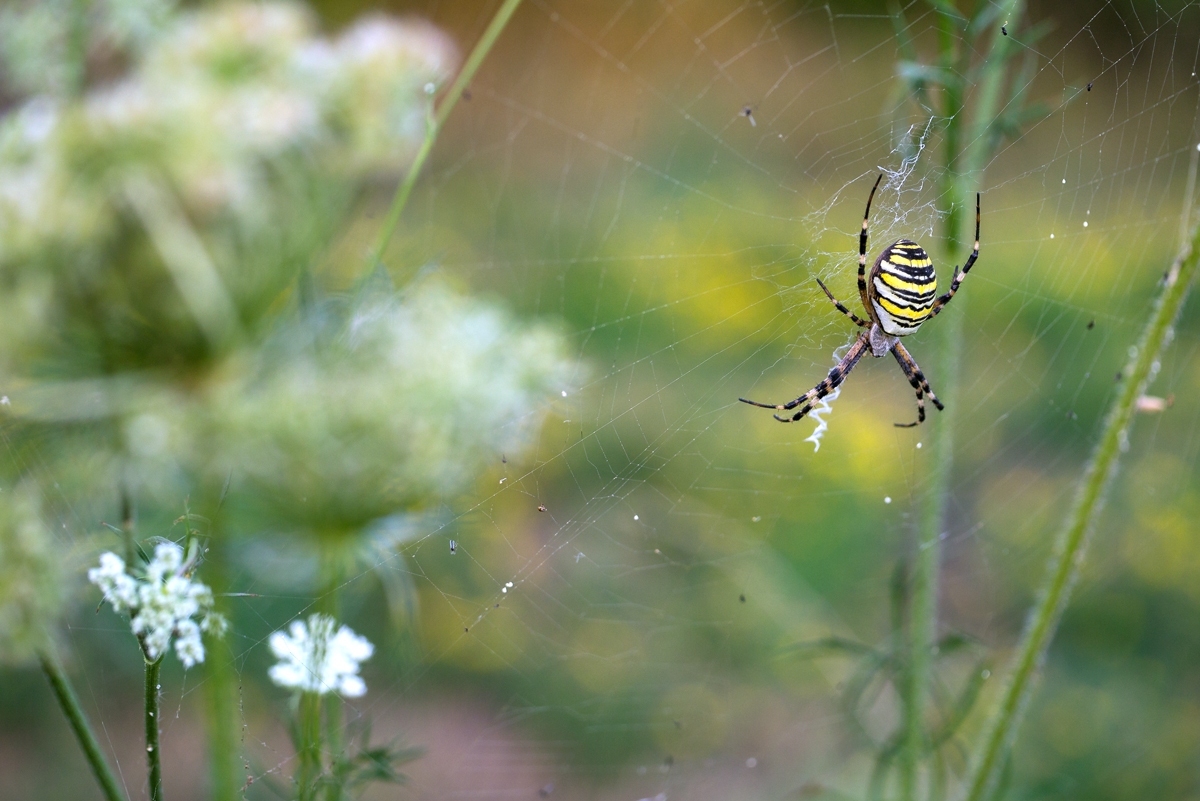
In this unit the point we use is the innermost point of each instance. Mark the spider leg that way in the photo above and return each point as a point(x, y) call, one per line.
point(862, 248)
point(959, 275)
point(917, 379)
point(843, 309)
point(836, 376)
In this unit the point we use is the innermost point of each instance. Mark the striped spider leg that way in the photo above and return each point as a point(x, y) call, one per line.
point(841, 308)
point(836, 376)
point(941, 302)
point(905, 359)
point(862, 249)
point(899, 295)
point(917, 379)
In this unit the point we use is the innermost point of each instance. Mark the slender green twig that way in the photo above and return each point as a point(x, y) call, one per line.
point(435, 122)
point(77, 48)
point(334, 719)
point(309, 752)
point(923, 595)
point(334, 724)
point(221, 686)
point(128, 537)
point(1071, 544)
point(967, 149)
point(223, 725)
point(79, 724)
point(153, 755)
point(224, 718)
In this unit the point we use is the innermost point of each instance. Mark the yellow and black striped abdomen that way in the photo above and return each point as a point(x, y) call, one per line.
point(902, 288)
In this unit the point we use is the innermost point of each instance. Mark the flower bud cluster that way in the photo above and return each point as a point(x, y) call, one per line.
point(164, 603)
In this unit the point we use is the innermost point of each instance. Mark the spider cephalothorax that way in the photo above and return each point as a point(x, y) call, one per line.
point(899, 295)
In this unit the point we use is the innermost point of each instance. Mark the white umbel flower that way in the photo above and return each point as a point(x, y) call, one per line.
point(120, 588)
point(162, 603)
point(320, 657)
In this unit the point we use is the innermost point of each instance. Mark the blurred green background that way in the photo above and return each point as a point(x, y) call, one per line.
point(603, 255)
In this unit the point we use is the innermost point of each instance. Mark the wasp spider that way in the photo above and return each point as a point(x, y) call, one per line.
point(899, 295)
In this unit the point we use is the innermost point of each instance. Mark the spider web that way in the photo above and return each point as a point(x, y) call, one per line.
point(664, 181)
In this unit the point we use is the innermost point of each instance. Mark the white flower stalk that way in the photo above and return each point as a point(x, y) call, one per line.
point(163, 604)
point(320, 657)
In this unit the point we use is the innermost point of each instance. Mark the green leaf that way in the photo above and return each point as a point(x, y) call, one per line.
point(917, 73)
point(859, 682)
point(831, 643)
point(962, 707)
point(953, 643)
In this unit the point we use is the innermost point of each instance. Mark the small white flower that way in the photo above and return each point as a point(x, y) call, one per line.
point(162, 603)
point(188, 646)
point(119, 587)
point(316, 658)
point(167, 558)
point(215, 624)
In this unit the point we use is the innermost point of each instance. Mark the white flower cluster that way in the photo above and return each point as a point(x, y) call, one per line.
point(296, 431)
point(163, 603)
point(38, 37)
point(218, 95)
point(319, 659)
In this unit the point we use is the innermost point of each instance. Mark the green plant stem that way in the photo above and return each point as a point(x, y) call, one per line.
point(1071, 544)
point(79, 724)
point(223, 722)
point(224, 719)
point(127, 533)
point(332, 702)
point(435, 122)
point(77, 47)
point(309, 756)
point(153, 755)
point(964, 160)
point(333, 738)
point(921, 628)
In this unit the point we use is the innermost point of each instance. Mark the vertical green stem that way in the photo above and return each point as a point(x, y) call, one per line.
point(927, 560)
point(333, 568)
point(436, 121)
point(153, 750)
point(79, 724)
point(221, 687)
point(223, 723)
point(1071, 545)
point(224, 719)
point(77, 47)
point(310, 745)
point(127, 533)
point(333, 738)
point(964, 160)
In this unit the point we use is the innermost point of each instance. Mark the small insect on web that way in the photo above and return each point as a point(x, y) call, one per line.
point(899, 295)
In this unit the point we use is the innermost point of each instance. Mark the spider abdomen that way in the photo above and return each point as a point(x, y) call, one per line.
point(902, 289)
